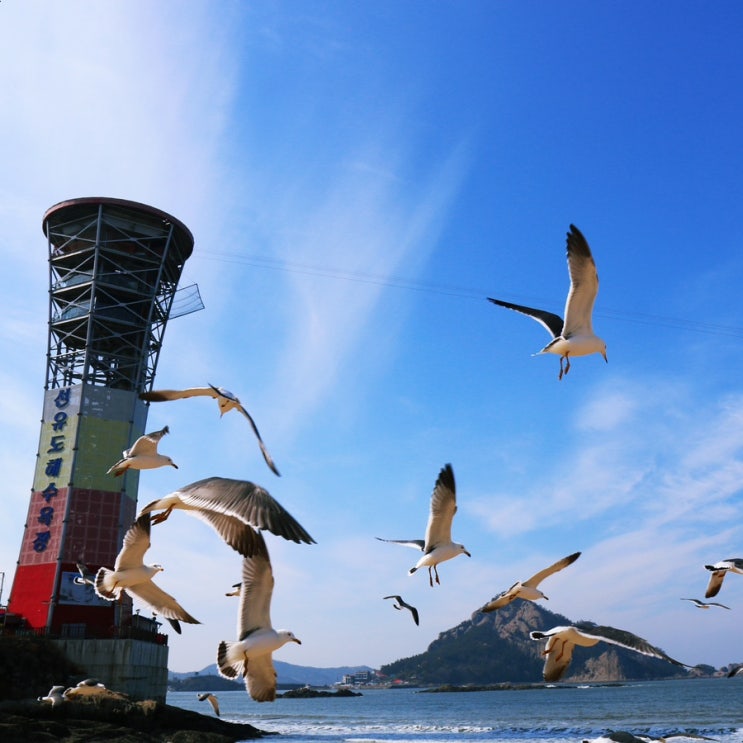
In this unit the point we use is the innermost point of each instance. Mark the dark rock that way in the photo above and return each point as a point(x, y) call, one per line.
point(308, 693)
point(115, 721)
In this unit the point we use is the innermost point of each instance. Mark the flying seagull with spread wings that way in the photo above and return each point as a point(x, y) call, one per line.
point(719, 571)
point(226, 401)
point(130, 574)
point(251, 656)
point(400, 604)
point(528, 589)
point(143, 455)
point(207, 696)
point(437, 546)
point(706, 604)
point(574, 335)
point(561, 641)
point(234, 508)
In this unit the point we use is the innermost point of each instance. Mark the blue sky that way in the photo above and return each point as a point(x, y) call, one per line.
point(359, 177)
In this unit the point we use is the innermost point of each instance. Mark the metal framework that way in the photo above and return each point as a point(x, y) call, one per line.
point(114, 267)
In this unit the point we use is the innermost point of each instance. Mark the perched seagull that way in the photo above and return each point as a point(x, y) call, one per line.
point(574, 336)
point(719, 571)
point(562, 640)
point(55, 696)
point(235, 590)
point(437, 546)
point(131, 574)
point(208, 696)
point(527, 589)
point(250, 656)
point(86, 688)
point(706, 604)
point(235, 508)
point(86, 578)
point(402, 605)
point(226, 401)
point(143, 455)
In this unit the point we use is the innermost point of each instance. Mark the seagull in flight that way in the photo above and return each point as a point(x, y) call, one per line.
point(209, 697)
point(235, 508)
point(573, 336)
point(561, 641)
point(130, 574)
point(527, 589)
point(706, 604)
point(86, 578)
point(143, 455)
point(400, 604)
point(251, 656)
point(235, 590)
point(719, 571)
point(226, 401)
point(437, 546)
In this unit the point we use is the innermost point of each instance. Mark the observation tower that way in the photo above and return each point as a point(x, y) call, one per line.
point(114, 268)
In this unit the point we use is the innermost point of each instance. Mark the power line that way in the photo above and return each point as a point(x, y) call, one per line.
point(400, 282)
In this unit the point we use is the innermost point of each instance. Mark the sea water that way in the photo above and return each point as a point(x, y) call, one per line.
point(559, 714)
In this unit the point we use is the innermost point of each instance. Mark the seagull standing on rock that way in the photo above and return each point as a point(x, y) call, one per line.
point(437, 546)
point(573, 336)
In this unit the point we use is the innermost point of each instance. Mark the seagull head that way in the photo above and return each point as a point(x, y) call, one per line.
point(287, 636)
point(462, 548)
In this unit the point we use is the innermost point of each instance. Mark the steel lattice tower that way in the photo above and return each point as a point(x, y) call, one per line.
point(114, 268)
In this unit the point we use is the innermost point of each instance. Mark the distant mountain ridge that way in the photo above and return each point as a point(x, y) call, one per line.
point(496, 648)
point(287, 673)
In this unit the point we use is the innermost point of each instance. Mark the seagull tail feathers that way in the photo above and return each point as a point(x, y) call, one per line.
point(104, 586)
point(230, 660)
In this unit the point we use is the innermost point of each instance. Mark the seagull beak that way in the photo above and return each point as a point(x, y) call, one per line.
point(297, 640)
point(174, 465)
point(605, 359)
point(467, 553)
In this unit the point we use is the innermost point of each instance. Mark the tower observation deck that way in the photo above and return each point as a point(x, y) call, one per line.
point(114, 269)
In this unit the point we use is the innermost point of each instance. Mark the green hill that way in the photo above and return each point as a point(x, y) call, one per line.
point(496, 648)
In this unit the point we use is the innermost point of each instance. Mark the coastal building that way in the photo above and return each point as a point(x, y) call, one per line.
point(114, 270)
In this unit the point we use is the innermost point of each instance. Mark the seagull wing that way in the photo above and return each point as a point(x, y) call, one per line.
point(584, 285)
point(413, 611)
point(254, 611)
point(502, 599)
point(558, 652)
point(417, 544)
point(135, 545)
point(165, 395)
point(244, 500)
point(260, 678)
point(537, 578)
point(264, 451)
point(234, 531)
point(715, 581)
point(548, 320)
point(626, 640)
point(443, 508)
point(143, 446)
point(163, 603)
